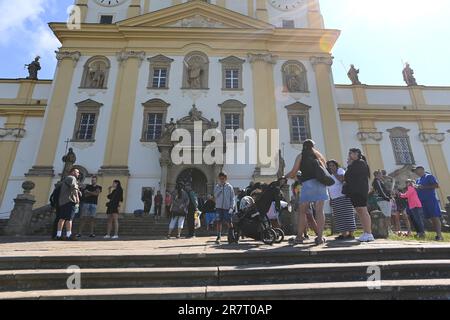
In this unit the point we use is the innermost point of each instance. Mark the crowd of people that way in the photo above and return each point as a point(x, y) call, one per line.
point(316, 181)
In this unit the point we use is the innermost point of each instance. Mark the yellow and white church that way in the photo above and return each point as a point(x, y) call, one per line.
point(133, 65)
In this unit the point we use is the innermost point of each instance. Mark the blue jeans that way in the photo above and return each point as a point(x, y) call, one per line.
point(417, 217)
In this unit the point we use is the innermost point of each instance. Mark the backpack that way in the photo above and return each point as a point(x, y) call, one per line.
point(54, 198)
point(179, 206)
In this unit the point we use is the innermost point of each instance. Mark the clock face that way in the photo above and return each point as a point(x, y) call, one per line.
point(286, 5)
point(110, 3)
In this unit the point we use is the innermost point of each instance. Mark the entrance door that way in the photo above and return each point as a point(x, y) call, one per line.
point(196, 179)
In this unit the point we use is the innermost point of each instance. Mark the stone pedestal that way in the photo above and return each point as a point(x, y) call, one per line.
point(380, 225)
point(22, 213)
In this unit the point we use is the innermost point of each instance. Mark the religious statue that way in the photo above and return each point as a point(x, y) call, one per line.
point(96, 77)
point(293, 81)
point(408, 76)
point(353, 75)
point(194, 74)
point(69, 160)
point(33, 69)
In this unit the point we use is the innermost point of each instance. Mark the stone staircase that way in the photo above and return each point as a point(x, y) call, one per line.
point(414, 271)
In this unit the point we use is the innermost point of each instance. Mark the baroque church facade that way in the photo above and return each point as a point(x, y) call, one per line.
point(137, 69)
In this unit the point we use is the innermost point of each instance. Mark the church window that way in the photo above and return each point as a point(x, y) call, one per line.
point(88, 112)
point(155, 112)
point(401, 146)
point(298, 115)
point(232, 73)
point(106, 19)
point(288, 24)
point(159, 72)
point(294, 77)
point(232, 115)
point(95, 74)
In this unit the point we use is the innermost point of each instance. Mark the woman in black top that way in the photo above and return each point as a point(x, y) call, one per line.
point(115, 197)
point(356, 187)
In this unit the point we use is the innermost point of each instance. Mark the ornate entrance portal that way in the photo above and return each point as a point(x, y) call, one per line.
point(196, 179)
point(201, 176)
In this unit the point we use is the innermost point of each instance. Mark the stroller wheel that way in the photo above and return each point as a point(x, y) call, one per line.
point(269, 236)
point(280, 235)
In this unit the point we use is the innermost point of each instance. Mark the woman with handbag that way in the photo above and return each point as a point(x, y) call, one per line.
point(356, 187)
point(313, 191)
point(115, 197)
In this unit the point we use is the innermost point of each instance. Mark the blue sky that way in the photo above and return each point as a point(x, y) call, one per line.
point(377, 35)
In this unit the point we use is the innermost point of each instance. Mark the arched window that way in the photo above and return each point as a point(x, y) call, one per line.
point(298, 115)
point(294, 77)
point(95, 74)
point(232, 115)
point(196, 71)
point(401, 146)
point(88, 112)
point(155, 113)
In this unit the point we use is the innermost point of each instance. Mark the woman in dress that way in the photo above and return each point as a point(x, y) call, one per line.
point(343, 211)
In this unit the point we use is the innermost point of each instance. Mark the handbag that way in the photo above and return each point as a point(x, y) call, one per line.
point(322, 174)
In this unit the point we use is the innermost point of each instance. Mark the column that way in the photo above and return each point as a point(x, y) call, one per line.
point(328, 107)
point(115, 163)
point(263, 96)
point(251, 8)
point(315, 19)
point(261, 11)
point(164, 162)
point(147, 6)
point(370, 139)
point(432, 142)
point(83, 5)
point(134, 9)
point(42, 172)
point(222, 3)
point(10, 137)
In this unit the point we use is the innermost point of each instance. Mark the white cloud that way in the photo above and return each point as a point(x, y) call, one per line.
point(23, 25)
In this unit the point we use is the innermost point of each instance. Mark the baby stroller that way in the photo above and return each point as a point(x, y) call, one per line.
point(248, 222)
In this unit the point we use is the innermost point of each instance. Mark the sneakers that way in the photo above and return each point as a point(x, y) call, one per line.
point(79, 235)
point(218, 240)
point(439, 238)
point(92, 236)
point(115, 237)
point(366, 237)
point(168, 236)
point(107, 237)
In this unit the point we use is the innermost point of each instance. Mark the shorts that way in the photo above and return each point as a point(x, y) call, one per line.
point(112, 210)
point(385, 207)
point(68, 211)
point(210, 218)
point(431, 209)
point(312, 191)
point(224, 216)
point(88, 210)
point(359, 200)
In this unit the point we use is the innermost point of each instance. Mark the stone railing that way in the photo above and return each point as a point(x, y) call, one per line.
point(40, 220)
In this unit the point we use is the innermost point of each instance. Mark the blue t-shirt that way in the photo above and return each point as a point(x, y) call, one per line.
point(427, 194)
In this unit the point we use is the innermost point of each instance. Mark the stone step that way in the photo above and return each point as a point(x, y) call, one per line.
point(388, 290)
point(23, 280)
point(231, 255)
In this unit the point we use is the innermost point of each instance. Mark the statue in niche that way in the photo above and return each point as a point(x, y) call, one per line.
point(96, 76)
point(33, 69)
point(408, 75)
point(295, 79)
point(353, 75)
point(194, 68)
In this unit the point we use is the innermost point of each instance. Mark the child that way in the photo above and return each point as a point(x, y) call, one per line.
point(415, 207)
point(400, 212)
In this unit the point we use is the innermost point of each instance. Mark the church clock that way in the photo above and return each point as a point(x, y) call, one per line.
point(110, 3)
point(286, 5)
